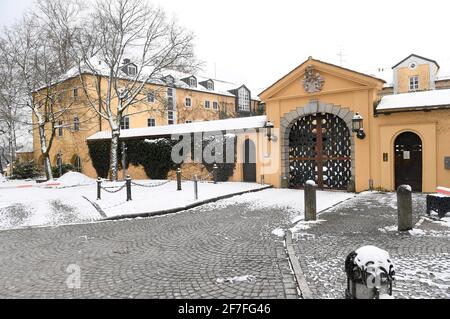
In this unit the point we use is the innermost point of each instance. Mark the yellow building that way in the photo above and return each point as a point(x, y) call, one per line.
point(406, 137)
point(343, 129)
point(175, 98)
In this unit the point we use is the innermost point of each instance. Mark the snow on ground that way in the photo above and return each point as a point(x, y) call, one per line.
point(70, 201)
point(237, 279)
point(290, 200)
point(72, 179)
point(165, 197)
point(2, 179)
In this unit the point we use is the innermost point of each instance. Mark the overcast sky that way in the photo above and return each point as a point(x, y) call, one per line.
point(257, 42)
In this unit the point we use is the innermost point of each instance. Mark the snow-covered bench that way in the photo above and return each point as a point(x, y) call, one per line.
point(439, 202)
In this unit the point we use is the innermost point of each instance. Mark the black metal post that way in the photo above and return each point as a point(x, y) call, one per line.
point(124, 160)
point(178, 179)
point(195, 187)
point(128, 183)
point(99, 188)
point(215, 173)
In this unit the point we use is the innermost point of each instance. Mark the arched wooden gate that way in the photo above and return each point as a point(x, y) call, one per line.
point(320, 150)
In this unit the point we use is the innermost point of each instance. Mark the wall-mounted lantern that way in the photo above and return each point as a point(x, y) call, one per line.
point(269, 126)
point(357, 126)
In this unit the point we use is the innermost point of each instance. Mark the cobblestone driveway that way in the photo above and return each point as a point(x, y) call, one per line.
point(175, 256)
point(422, 261)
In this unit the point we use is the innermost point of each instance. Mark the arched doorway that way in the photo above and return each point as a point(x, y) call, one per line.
point(249, 165)
point(408, 161)
point(320, 150)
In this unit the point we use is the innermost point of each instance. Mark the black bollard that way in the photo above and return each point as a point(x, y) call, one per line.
point(195, 187)
point(310, 201)
point(404, 208)
point(178, 179)
point(128, 183)
point(215, 173)
point(99, 188)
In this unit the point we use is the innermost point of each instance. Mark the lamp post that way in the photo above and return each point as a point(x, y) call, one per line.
point(269, 126)
point(357, 126)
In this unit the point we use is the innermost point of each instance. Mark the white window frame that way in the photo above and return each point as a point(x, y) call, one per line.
point(192, 82)
point(210, 85)
point(151, 97)
point(125, 123)
point(207, 104)
point(215, 105)
point(413, 83)
point(151, 120)
point(243, 100)
point(132, 67)
point(186, 101)
point(170, 117)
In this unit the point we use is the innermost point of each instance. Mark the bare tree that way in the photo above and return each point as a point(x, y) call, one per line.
point(35, 49)
point(10, 111)
point(117, 30)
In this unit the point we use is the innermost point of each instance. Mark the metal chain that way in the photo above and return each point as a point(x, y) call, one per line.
point(150, 186)
point(113, 192)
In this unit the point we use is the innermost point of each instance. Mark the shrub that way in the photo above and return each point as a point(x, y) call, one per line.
point(25, 170)
point(65, 167)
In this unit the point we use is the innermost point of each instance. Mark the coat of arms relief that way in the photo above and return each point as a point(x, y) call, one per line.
point(312, 82)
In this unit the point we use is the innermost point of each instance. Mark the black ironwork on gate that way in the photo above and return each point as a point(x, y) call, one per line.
point(320, 150)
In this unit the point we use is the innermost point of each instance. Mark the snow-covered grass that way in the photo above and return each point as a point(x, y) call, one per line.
point(70, 199)
point(165, 197)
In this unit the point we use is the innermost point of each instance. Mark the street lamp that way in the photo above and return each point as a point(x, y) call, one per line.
point(357, 126)
point(269, 126)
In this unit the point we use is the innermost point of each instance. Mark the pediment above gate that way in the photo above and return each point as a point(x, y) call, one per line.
point(314, 78)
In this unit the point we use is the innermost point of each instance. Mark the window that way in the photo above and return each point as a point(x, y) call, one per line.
point(132, 70)
point(188, 121)
point(414, 83)
point(77, 163)
point(151, 122)
point(215, 105)
point(192, 82)
point(188, 102)
point(75, 93)
point(243, 100)
point(125, 123)
point(207, 104)
point(169, 91)
point(76, 124)
point(170, 117)
point(151, 97)
point(210, 85)
point(60, 128)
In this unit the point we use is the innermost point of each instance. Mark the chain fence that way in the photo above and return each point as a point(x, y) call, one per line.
point(150, 185)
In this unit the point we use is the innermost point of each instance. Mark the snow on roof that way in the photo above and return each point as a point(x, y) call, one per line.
point(242, 123)
point(424, 99)
point(220, 87)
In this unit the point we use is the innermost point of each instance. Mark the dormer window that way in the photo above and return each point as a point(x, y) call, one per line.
point(169, 80)
point(132, 70)
point(210, 85)
point(192, 82)
point(414, 83)
point(243, 100)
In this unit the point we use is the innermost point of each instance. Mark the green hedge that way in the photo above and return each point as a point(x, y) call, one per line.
point(153, 155)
